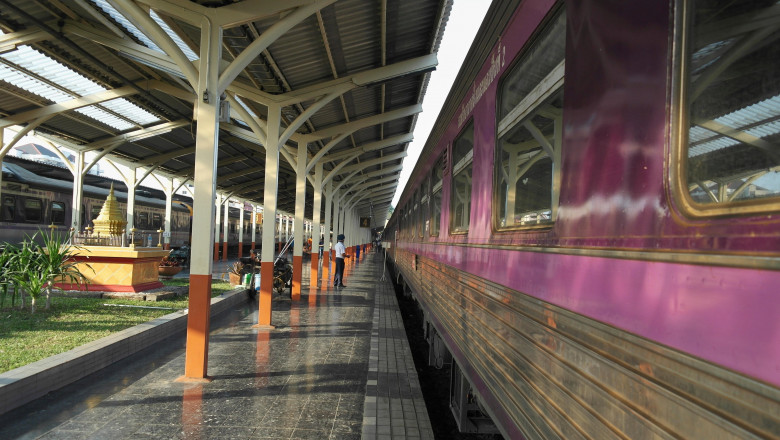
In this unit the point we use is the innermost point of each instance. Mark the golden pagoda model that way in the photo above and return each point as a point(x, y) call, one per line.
point(109, 221)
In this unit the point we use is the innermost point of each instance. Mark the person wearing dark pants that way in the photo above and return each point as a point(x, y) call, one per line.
point(338, 278)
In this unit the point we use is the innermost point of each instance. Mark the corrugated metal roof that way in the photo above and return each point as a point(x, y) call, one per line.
point(341, 40)
point(59, 83)
point(760, 120)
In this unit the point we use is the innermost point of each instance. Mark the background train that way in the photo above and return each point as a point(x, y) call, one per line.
point(593, 228)
point(32, 199)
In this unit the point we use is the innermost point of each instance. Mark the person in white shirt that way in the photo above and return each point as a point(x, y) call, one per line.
point(338, 278)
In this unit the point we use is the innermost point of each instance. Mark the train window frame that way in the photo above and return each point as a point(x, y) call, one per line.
point(418, 218)
point(61, 209)
point(26, 210)
point(436, 195)
point(5, 209)
point(464, 164)
point(143, 220)
point(682, 122)
point(425, 207)
point(535, 105)
point(157, 221)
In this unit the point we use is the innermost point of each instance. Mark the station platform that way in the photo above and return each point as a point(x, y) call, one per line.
point(337, 366)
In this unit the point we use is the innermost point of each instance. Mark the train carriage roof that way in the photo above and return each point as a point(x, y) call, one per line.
point(91, 77)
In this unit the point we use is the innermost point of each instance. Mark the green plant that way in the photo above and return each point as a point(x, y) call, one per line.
point(7, 252)
point(58, 264)
point(26, 272)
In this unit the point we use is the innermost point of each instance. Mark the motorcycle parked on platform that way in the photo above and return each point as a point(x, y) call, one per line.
point(282, 275)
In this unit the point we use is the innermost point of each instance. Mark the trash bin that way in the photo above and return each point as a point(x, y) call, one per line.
point(247, 280)
point(257, 282)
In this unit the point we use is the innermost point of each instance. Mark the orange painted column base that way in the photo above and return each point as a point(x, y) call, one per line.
point(240, 250)
point(266, 293)
point(297, 277)
point(216, 251)
point(315, 261)
point(197, 349)
point(224, 251)
point(253, 246)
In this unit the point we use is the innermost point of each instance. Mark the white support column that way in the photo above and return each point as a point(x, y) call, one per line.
point(326, 232)
point(269, 214)
point(217, 223)
point(255, 213)
point(241, 232)
point(316, 225)
point(131, 184)
point(168, 189)
point(226, 229)
point(337, 225)
point(78, 194)
point(205, 177)
point(299, 228)
point(286, 228)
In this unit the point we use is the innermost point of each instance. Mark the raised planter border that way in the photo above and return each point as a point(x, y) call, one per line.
point(25, 384)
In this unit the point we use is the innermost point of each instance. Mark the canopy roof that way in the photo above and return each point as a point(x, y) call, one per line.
point(114, 76)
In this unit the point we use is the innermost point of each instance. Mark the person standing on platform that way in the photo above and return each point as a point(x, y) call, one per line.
point(338, 278)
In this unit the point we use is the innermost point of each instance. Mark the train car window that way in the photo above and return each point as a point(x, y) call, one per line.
point(435, 209)
point(460, 203)
point(33, 210)
point(57, 213)
point(143, 220)
point(530, 132)
point(416, 213)
point(401, 222)
point(9, 207)
point(425, 203)
point(156, 221)
point(727, 159)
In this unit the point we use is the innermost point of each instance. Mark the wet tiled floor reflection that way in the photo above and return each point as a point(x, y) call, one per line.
point(304, 380)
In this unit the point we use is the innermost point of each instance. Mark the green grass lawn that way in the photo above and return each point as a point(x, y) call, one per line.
point(26, 337)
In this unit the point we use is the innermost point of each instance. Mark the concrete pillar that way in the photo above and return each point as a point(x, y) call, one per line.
point(269, 213)
point(241, 232)
point(300, 206)
point(226, 229)
point(205, 177)
point(131, 183)
point(316, 232)
point(254, 225)
point(168, 188)
point(78, 195)
point(217, 222)
point(328, 223)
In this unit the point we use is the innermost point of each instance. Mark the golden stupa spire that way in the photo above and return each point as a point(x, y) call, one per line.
point(110, 221)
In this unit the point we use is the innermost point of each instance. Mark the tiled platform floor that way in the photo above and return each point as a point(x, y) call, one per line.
point(336, 367)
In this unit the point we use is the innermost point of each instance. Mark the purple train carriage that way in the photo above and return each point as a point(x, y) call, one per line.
point(593, 228)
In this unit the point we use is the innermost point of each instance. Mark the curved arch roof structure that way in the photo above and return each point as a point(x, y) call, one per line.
point(114, 77)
